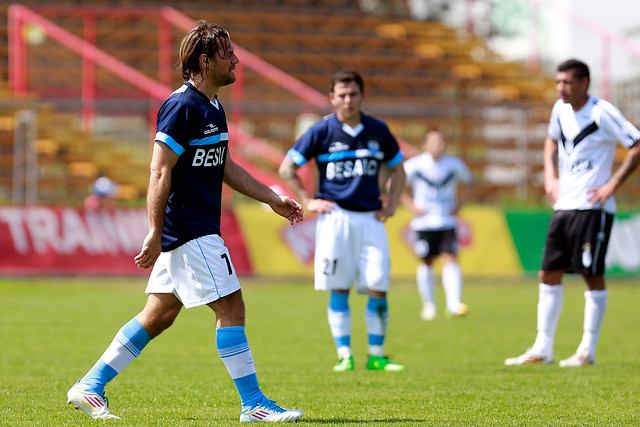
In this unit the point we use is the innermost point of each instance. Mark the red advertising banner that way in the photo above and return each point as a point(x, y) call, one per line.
point(45, 240)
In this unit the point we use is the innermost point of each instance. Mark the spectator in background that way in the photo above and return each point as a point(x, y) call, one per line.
point(427, 10)
point(434, 177)
point(103, 193)
point(579, 153)
point(352, 150)
point(191, 265)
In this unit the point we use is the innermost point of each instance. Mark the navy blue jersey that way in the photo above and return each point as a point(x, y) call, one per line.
point(195, 128)
point(348, 159)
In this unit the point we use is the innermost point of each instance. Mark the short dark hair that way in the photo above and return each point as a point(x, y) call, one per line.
point(579, 68)
point(347, 76)
point(205, 38)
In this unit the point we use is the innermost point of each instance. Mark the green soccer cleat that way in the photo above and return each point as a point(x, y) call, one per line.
point(377, 363)
point(345, 364)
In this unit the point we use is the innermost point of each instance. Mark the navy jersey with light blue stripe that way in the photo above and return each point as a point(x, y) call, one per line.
point(195, 128)
point(348, 159)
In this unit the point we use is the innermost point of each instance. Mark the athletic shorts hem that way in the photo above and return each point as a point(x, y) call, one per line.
point(359, 289)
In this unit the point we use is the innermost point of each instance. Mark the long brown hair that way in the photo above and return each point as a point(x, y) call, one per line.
point(205, 38)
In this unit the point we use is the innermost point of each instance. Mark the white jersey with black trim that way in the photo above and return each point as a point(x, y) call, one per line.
point(435, 189)
point(587, 141)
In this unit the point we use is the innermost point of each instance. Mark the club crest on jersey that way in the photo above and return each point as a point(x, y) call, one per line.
point(421, 248)
point(210, 128)
point(581, 165)
point(587, 258)
point(374, 148)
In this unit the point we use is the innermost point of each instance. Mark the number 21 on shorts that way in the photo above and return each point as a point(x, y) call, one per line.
point(329, 266)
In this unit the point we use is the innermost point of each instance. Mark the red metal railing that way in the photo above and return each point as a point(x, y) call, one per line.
point(92, 56)
point(157, 91)
point(257, 64)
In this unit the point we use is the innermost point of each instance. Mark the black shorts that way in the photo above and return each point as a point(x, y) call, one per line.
point(432, 243)
point(577, 241)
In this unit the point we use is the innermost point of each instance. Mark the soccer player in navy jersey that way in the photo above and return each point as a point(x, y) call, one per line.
point(352, 151)
point(579, 154)
point(191, 265)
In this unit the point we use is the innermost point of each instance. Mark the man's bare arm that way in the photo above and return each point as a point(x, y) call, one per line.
point(163, 160)
point(628, 165)
point(551, 181)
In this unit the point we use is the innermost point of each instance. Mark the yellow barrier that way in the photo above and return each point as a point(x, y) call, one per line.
point(276, 248)
point(268, 251)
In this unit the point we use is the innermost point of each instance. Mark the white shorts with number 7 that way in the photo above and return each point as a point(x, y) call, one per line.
point(198, 272)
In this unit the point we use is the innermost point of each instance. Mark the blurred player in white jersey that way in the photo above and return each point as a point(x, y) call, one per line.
point(351, 149)
point(578, 160)
point(434, 178)
point(191, 265)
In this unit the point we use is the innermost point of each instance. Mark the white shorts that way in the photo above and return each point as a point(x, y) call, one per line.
point(351, 247)
point(197, 273)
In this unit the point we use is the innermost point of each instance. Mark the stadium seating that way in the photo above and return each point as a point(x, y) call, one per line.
point(419, 76)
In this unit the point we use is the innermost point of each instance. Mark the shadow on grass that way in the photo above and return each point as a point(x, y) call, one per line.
point(347, 421)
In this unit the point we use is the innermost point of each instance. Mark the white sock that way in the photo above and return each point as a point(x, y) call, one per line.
point(344, 352)
point(595, 304)
point(452, 284)
point(426, 281)
point(550, 301)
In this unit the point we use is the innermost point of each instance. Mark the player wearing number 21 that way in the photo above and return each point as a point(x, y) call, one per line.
point(352, 152)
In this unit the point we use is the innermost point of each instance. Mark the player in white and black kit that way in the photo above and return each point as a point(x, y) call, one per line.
point(434, 178)
point(583, 133)
point(351, 149)
point(191, 265)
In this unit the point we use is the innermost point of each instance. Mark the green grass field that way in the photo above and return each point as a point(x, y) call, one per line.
point(53, 330)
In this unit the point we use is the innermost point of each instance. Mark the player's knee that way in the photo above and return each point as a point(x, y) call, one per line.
point(156, 322)
point(448, 258)
point(230, 310)
point(428, 260)
point(553, 277)
point(595, 282)
point(377, 294)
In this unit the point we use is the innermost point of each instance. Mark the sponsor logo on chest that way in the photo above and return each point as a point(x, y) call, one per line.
point(209, 157)
point(361, 165)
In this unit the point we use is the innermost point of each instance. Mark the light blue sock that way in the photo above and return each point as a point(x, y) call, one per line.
point(235, 353)
point(125, 347)
point(376, 318)
point(340, 319)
